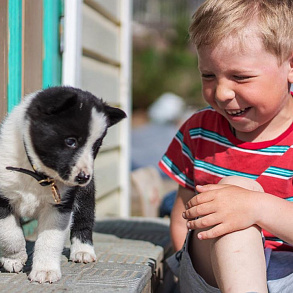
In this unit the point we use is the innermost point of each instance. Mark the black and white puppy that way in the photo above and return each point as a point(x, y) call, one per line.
point(47, 149)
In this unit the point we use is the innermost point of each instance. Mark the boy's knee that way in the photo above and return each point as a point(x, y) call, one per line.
point(242, 182)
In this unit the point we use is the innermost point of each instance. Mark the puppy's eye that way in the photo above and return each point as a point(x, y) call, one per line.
point(71, 142)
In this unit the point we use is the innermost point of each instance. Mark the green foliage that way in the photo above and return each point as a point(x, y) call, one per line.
point(172, 69)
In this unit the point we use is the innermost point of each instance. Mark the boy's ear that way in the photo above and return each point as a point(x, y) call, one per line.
point(290, 75)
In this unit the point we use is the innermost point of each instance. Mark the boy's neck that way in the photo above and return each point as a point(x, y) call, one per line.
point(233, 130)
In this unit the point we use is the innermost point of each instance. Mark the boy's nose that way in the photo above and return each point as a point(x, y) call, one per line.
point(224, 93)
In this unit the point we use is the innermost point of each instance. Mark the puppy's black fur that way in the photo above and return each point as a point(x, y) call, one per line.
point(53, 136)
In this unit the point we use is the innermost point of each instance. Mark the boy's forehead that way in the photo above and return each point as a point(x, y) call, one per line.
point(248, 41)
point(238, 39)
point(234, 55)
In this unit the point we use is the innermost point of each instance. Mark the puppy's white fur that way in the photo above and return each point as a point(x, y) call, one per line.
point(29, 199)
point(85, 161)
point(82, 252)
point(22, 196)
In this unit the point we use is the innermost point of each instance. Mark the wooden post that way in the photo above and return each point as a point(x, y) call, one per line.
point(32, 46)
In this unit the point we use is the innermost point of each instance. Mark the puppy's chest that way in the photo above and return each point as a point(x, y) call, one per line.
point(28, 202)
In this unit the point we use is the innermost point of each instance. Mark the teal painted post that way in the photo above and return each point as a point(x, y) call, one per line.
point(14, 53)
point(52, 10)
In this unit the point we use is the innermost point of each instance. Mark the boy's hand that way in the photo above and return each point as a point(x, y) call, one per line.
point(225, 208)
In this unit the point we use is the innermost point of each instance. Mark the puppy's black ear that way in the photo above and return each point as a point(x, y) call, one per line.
point(54, 100)
point(58, 103)
point(114, 115)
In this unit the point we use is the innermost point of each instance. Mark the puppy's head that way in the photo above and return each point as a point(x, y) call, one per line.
point(66, 127)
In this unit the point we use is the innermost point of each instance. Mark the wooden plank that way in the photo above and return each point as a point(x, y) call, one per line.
point(112, 139)
point(3, 58)
point(108, 206)
point(99, 35)
point(101, 79)
point(32, 45)
point(107, 172)
point(99, 57)
point(110, 9)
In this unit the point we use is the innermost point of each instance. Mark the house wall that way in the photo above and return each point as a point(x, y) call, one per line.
point(99, 61)
point(163, 12)
point(28, 61)
point(93, 42)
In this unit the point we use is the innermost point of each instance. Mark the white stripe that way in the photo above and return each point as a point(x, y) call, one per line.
point(237, 148)
point(275, 176)
point(209, 172)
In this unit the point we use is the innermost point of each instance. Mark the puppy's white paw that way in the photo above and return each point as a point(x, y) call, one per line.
point(12, 265)
point(82, 252)
point(84, 257)
point(15, 263)
point(42, 276)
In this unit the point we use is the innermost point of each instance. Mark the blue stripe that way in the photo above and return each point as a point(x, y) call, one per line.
point(175, 170)
point(210, 135)
point(195, 132)
point(185, 148)
point(279, 171)
point(275, 239)
point(275, 149)
point(222, 171)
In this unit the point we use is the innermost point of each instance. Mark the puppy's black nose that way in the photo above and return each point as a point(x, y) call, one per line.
point(82, 178)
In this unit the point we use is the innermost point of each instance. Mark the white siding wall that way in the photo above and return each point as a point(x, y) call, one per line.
point(101, 52)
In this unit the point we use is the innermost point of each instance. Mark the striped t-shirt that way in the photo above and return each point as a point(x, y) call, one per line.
point(204, 151)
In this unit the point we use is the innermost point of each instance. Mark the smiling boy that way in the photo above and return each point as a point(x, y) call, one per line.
point(237, 154)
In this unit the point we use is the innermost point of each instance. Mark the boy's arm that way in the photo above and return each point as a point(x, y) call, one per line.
point(276, 216)
point(178, 224)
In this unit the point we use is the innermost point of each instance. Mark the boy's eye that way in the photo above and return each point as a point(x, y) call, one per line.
point(207, 76)
point(71, 142)
point(240, 78)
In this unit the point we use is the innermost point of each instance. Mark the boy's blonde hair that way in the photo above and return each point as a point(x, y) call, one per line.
point(217, 19)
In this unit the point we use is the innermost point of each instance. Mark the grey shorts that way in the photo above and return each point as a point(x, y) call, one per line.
point(279, 272)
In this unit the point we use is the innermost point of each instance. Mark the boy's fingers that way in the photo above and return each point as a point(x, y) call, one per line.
point(203, 222)
point(198, 211)
point(199, 199)
point(214, 232)
point(207, 187)
point(204, 195)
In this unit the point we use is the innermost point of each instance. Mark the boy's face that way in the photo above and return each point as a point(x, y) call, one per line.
point(248, 86)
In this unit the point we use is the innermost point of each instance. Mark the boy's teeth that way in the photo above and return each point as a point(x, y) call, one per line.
point(234, 112)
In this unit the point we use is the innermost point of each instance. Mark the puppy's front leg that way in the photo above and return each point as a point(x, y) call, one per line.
point(82, 249)
point(12, 243)
point(52, 231)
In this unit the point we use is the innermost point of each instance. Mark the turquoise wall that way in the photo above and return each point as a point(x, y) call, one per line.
point(14, 53)
point(52, 59)
point(52, 63)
